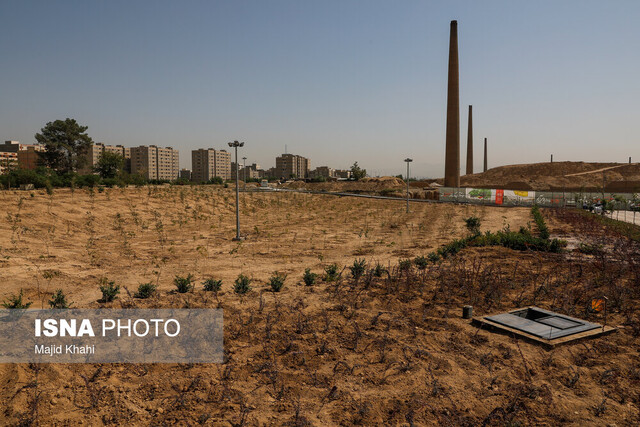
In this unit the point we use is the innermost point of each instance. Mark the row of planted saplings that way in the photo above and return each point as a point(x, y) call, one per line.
point(110, 290)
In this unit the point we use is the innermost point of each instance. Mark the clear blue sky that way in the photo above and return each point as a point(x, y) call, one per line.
point(336, 81)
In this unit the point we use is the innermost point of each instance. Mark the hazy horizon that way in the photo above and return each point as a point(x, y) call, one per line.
point(337, 81)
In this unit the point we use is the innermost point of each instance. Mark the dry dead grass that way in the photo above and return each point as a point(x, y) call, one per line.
point(385, 351)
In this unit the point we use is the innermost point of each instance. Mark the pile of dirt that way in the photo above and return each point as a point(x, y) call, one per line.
point(558, 176)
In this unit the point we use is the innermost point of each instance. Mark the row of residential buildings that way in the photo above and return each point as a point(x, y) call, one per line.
point(149, 161)
point(14, 154)
point(162, 163)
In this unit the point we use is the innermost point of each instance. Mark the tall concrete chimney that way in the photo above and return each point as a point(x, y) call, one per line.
point(485, 155)
point(470, 144)
point(452, 153)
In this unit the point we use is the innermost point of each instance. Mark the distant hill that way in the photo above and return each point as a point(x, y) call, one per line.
point(558, 176)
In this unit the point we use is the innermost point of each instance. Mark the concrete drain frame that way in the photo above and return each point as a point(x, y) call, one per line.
point(542, 326)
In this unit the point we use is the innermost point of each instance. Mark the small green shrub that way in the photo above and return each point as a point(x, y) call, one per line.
point(109, 290)
point(242, 285)
point(59, 300)
point(404, 264)
point(184, 284)
point(473, 225)
point(145, 290)
point(379, 270)
point(276, 282)
point(15, 302)
point(539, 219)
point(588, 249)
point(212, 285)
point(433, 257)
point(331, 272)
point(358, 268)
point(421, 262)
point(308, 277)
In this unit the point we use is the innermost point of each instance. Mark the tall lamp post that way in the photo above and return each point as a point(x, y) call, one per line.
point(244, 171)
point(408, 160)
point(236, 144)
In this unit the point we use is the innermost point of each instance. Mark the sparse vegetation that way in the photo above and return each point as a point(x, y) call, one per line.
point(59, 300)
point(308, 277)
point(145, 290)
point(539, 219)
point(276, 281)
point(331, 272)
point(242, 285)
point(109, 290)
point(358, 268)
point(473, 225)
point(212, 285)
point(15, 302)
point(183, 284)
point(421, 262)
point(393, 329)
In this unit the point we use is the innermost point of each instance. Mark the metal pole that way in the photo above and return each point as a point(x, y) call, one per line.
point(244, 171)
point(237, 199)
point(408, 160)
point(407, 187)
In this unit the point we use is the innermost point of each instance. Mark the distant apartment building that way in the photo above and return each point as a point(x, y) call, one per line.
point(207, 163)
point(30, 157)
point(292, 165)
point(342, 173)
point(185, 174)
point(322, 172)
point(13, 154)
point(8, 161)
point(253, 171)
point(94, 152)
point(153, 162)
point(270, 173)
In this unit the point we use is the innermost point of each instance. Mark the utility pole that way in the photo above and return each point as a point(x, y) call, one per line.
point(408, 160)
point(236, 144)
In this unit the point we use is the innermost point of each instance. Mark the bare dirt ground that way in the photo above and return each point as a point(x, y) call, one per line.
point(619, 177)
point(374, 351)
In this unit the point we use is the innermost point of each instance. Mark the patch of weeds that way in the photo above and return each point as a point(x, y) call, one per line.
point(358, 268)
point(588, 249)
point(109, 290)
point(331, 272)
point(539, 219)
point(15, 302)
point(184, 284)
point(276, 281)
point(212, 285)
point(242, 285)
point(59, 300)
point(308, 277)
point(145, 290)
point(473, 225)
point(379, 270)
point(404, 265)
point(421, 262)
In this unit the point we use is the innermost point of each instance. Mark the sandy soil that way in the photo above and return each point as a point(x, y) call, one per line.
point(389, 351)
point(619, 177)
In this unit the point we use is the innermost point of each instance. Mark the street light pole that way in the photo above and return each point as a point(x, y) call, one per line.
point(236, 144)
point(408, 160)
point(244, 171)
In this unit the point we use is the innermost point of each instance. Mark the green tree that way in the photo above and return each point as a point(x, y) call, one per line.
point(66, 144)
point(357, 173)
point(109, 164)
